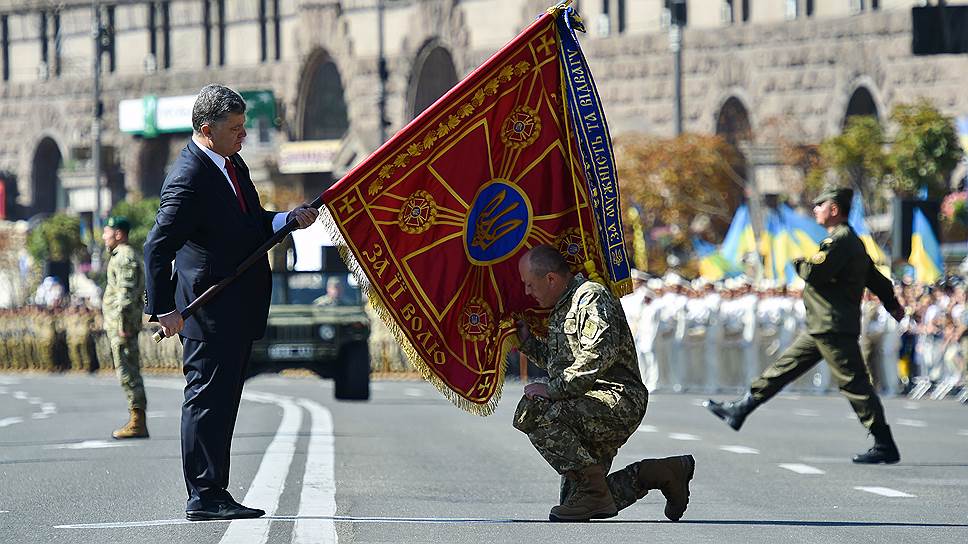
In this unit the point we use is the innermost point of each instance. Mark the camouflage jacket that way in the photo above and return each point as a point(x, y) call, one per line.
point(122, 304)
point(589, 346)
point(835, 280)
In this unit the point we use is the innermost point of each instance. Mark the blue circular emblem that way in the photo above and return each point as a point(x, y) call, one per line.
point(497, 224)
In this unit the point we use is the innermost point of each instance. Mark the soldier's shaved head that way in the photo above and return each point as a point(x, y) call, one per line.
point(545, 259)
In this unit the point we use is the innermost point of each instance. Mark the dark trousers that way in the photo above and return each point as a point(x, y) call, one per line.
point(214, 372)
point(842, 353)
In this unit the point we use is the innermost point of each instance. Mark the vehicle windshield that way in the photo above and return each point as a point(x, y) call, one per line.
point(316, 288)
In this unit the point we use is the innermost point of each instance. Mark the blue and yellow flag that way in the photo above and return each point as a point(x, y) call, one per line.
point(740, 240)
point(925, 251)
point(712, 265)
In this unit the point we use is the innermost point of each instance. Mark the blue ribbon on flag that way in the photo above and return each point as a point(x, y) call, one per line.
point(595, 145)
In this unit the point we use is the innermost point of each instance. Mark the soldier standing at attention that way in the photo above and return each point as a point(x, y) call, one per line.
point(835, 280)
point(122, 308)
point(594, 399)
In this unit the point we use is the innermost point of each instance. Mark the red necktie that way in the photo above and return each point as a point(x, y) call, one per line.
point(235, 183)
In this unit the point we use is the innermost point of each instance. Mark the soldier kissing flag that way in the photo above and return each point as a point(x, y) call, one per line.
point(517, 154)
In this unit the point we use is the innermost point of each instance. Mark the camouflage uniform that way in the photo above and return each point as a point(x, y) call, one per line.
point(597, 396)
point(122, 308)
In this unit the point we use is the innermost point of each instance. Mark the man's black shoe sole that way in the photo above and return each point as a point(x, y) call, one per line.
point(717, 410)
point(205, 516)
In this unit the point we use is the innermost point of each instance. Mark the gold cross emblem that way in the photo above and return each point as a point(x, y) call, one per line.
point(347, 206)
point(546, 43)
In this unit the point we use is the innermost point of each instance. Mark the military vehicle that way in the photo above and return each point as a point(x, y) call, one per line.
point(317, 322)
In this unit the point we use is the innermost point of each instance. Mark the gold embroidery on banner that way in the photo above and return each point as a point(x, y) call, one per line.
point(490, 88)
point(521, 128)
point(476, 320)
point(418, 213)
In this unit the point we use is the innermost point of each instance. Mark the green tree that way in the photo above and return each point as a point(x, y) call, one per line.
point(925, 150)
point(56, 239)
point(141, 215)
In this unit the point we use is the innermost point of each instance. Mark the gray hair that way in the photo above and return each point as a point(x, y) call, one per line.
point(214, 103)
point(545, 259)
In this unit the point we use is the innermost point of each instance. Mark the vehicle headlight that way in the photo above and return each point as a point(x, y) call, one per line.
point(327, 332)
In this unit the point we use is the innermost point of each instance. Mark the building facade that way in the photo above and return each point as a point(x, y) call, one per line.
point(752, 70)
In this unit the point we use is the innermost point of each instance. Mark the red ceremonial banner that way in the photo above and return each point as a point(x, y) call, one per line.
point(439, 216)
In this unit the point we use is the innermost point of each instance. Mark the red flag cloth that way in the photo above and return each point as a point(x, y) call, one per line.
point(439, 216)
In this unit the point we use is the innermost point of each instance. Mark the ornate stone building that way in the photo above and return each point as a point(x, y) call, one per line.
point(753, 70)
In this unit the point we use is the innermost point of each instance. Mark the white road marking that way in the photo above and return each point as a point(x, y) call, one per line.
point(413, 392)
point(648, 429)
point(20, 395)
point(348, 519)
point(88, 445)
point(683, 436)
point(806, 412)
point(801, 468)
point(156, 415)
point(39, 415)
point(740, 450)
point(699, 402)
point(3, 390)
point(9, 381)
point(884, 491)
point(34, 400)
point(267, 485)
point(912, 406)
point(4, 511)
point(317, 502)
point(963, 432)
point(8, 421)
point(911, 422)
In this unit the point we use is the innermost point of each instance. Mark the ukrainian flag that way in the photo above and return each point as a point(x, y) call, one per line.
point(857, 221)
point(712, 265)
point(739, 239)
point(925, 251)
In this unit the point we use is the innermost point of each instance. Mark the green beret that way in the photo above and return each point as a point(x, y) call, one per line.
point(842, 196)
point(119, 222)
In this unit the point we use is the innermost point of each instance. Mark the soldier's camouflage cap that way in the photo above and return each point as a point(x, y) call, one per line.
point(842, 196)
point(119, 222)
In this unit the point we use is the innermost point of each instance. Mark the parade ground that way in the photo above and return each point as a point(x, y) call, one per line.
point(408, 466)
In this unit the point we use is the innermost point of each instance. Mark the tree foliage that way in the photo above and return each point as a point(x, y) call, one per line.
point(678, 182)
point(141, 215)
point(925, 151)
point(56, 239)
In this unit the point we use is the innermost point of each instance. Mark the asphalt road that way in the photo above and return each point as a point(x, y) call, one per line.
point(410, 467)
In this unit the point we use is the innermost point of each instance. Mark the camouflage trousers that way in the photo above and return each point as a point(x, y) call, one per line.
point(127, 363)
point(571, 434)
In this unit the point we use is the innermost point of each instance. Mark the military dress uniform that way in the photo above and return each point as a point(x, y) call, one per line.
point(835, 277)
point(122, 309)
point(597, 401)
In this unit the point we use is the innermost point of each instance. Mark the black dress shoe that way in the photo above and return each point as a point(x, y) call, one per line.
point(734, 412)
point(880, 453)
point(223, 510)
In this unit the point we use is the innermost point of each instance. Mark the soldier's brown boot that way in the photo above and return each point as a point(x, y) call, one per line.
point(135, 428)
point(671, 476)
point(590, 498)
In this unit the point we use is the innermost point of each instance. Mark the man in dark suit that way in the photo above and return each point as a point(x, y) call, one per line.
point(209, 221)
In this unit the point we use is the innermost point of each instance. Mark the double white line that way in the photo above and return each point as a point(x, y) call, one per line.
point(317, 500)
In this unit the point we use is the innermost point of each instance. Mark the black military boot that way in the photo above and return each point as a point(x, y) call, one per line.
point(732, 412)
point(884, 450)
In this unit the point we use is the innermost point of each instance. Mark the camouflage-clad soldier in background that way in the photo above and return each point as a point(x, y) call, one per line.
point(594, 399)
point(122, 309)
point(835, 280)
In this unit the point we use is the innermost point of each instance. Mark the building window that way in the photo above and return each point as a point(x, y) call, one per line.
point(44, 52)
point(109, 32)
point(263, 32)
point(152, 38)
point(277, 29)
point(875, 5)
point(164, 8)
point(220, 13)
point(746, 11)
point(5, 44)
point(727, 16)
point(57, 45)
point(809, 8)
point(207, 23)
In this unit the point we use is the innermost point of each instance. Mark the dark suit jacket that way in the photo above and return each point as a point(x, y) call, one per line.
point(201, 227)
